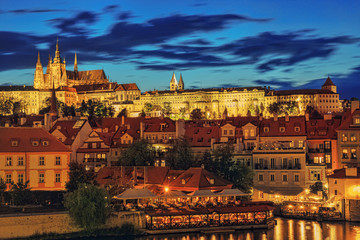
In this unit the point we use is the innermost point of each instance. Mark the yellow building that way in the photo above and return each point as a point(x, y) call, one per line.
point(34, 155)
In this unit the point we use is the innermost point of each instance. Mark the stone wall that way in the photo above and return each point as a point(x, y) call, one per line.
point(23, 225)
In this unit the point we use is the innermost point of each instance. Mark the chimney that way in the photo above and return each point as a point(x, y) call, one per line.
point(351, 172)
point(307, 117)
point(354, 105)
point(22, 121)
point(122, 120)
point(180, 128)
point(275, 117)
point(142, 128)
point(287, 118)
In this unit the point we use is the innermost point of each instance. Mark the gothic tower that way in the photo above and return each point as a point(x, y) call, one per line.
point(57, 73)
point(39, 74)
point(75, 64)
point(181, 83)
point(173, 83)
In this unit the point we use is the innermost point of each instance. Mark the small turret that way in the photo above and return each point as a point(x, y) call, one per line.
point(53, 107)
point(329, 85)
point(39, 74)
point(57, 58)
point(173, 83)
point(48, 65)
point(181, 83)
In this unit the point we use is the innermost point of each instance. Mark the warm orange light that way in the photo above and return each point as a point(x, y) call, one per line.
point(166, 189)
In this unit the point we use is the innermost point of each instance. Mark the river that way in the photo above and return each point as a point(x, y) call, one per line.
point(289, 229)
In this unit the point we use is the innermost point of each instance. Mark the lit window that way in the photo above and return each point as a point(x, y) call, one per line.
point(41, 161)
point(8, 178)
point(328, 158)
point(344, 137)
point(297, 129)
point(35, 143)
point(212, 181)
point(345, 153)
point(266, 129)
point(353, 153)
point(8, 161)
point(301, 144)
point(353, 138)
point(282, 129)
point(14, 143)
point(20, 161)
point(183, 181)
point(41, 178)
point(45, 143)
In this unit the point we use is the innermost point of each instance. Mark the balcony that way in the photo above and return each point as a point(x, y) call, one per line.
point(95, 160)
point(310, 162)
point(278, 167)
point(319, 150)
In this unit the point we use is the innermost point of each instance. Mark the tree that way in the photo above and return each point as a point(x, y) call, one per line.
point(223, 160)
point(122, 113)
point(180, 155)
point(242, 176)
point(148, 107)
point(318, 187)
point(88, 206)
point(20, 193)
point(167, 109)
point(140, 153)
point(2, 190)
point(196, 114)
point(78, 175)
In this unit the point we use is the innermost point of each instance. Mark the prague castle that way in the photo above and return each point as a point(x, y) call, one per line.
point(73, 87)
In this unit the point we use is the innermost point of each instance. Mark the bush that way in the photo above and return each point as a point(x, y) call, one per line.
point(88, 206)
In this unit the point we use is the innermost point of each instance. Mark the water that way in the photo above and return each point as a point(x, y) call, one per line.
point(286, 229)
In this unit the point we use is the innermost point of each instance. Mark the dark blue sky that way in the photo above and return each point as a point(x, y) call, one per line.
point(284, 44)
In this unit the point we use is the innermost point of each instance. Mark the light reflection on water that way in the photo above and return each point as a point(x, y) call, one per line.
point(292, 229)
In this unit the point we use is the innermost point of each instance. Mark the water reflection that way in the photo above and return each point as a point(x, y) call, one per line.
point(291, 229)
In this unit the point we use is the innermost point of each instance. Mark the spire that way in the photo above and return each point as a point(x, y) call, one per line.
point(173, 83)
point(75, 63)
point(328, 82)
point(57, 52)
point(181, 83)
point(53, 108)
point(48, 65)
point(38, 59)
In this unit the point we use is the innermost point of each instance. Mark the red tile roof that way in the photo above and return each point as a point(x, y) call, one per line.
point(322, 129)
point(302, 92)
point(66, 127)
point(159, 125)
point(274, 127)
point(341, 173)
point(25, 137)
point(347, 121)
point(328, 82)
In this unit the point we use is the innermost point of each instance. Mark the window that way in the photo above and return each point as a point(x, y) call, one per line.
point(344, 137)
point(35, 143)
point(301, 144)
point(327, 145)
point(356, 120)
point(225, 132)
point(315, 175)
point(212, 181)
point(353, 138)
point(316, 160)
point(284, 163)
point(284, 178)
point(58, 160)
point(8, 178)
point(252, 132)
point(272, 177)
point(345, 153)
point(272, 163)
point(183, 181)
point(41, 161)
point(14, 143)
point(21, 178)
point(335, 182)
point(41, 178)
point(8, 161)
point(261, 177)
point(328, 158)
point(335, 192)
point(266, 129)
point(20, 161)
point(230, 132)
point(282, 129)
point(57, 177)
point(297, 129)
point(353, 153)
point(297, 178)
point(45, 143)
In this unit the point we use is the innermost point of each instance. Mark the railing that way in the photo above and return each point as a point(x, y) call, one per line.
point(319, 150)
point(311, 162)
point(94, 160)
point(295, 166)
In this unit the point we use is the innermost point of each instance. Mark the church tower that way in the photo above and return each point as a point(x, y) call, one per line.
point(57, 74)
point(39, 74)
point(181, 83)
point(75, 64)
point(173, 83)
point(329, 85)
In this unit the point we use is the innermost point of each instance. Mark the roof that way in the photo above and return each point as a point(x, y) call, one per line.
point(135, 194)
point(159, 125)
point(198, 179)
point(347, 121)
point(302, 92)
point(95, 87)
point(17, 88)
point(207, 90)
point(25, 137)
point(328, 82)
point(341, 173)
point(295, 126)
point(127, 87)
point(69, 128)
point(322, 129)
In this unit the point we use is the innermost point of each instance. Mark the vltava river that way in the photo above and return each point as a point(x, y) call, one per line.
point(286, 229)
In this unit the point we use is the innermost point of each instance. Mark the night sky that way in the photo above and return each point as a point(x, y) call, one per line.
point(283, 44)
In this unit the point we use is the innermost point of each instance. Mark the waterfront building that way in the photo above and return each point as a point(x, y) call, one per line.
point(34, 155)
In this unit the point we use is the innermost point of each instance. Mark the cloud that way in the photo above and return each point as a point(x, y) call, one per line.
point(196, 42)
point(27, 11)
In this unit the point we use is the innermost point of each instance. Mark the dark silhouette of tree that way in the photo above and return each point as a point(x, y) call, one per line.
point(79, 175)
point(180, 155)
point(20, 193)
point(140, 153)
point(196, 114)
point(2, 190)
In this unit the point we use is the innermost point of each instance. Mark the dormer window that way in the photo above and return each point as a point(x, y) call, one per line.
point(357, 120)
point(183, 181)
point(282, 129)
point(35, 143)
point(14, 143)
point(212, 181)
point(58, 127)
point(45, 143)
point(297, 129)
point(266, 129)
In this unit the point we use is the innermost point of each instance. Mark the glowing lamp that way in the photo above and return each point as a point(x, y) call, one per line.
point(166, 189)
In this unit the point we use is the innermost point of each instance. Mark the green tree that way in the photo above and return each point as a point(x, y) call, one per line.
point(20, 193)
point(2, 190)
point(140, 153)
point(223, 160)
point(148, 107)
point(242, 176)
point(180, 155)
point(318, 187)
point(88, 206)
point(167, 109)
point(196, 114)
point(78, 175)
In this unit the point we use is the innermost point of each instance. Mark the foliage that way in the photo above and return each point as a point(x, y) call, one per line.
point(20, 193)
point(88, 206)
point(318, 187)
point(167, 109)
point(289, 108)
point(222, 164)
point(140, 153)
point(180, 155)
point(78, 175)
point(93, 109)
point(196, 114)
point(2, 190)
point(148, 107)
point(123, 112)
point(12, 106)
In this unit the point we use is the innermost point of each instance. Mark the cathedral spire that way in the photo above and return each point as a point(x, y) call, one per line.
point(53, 108)
point(38, 59)
point(57, 53)
point(173, 83)
point(181, 83)
point(75, 63)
